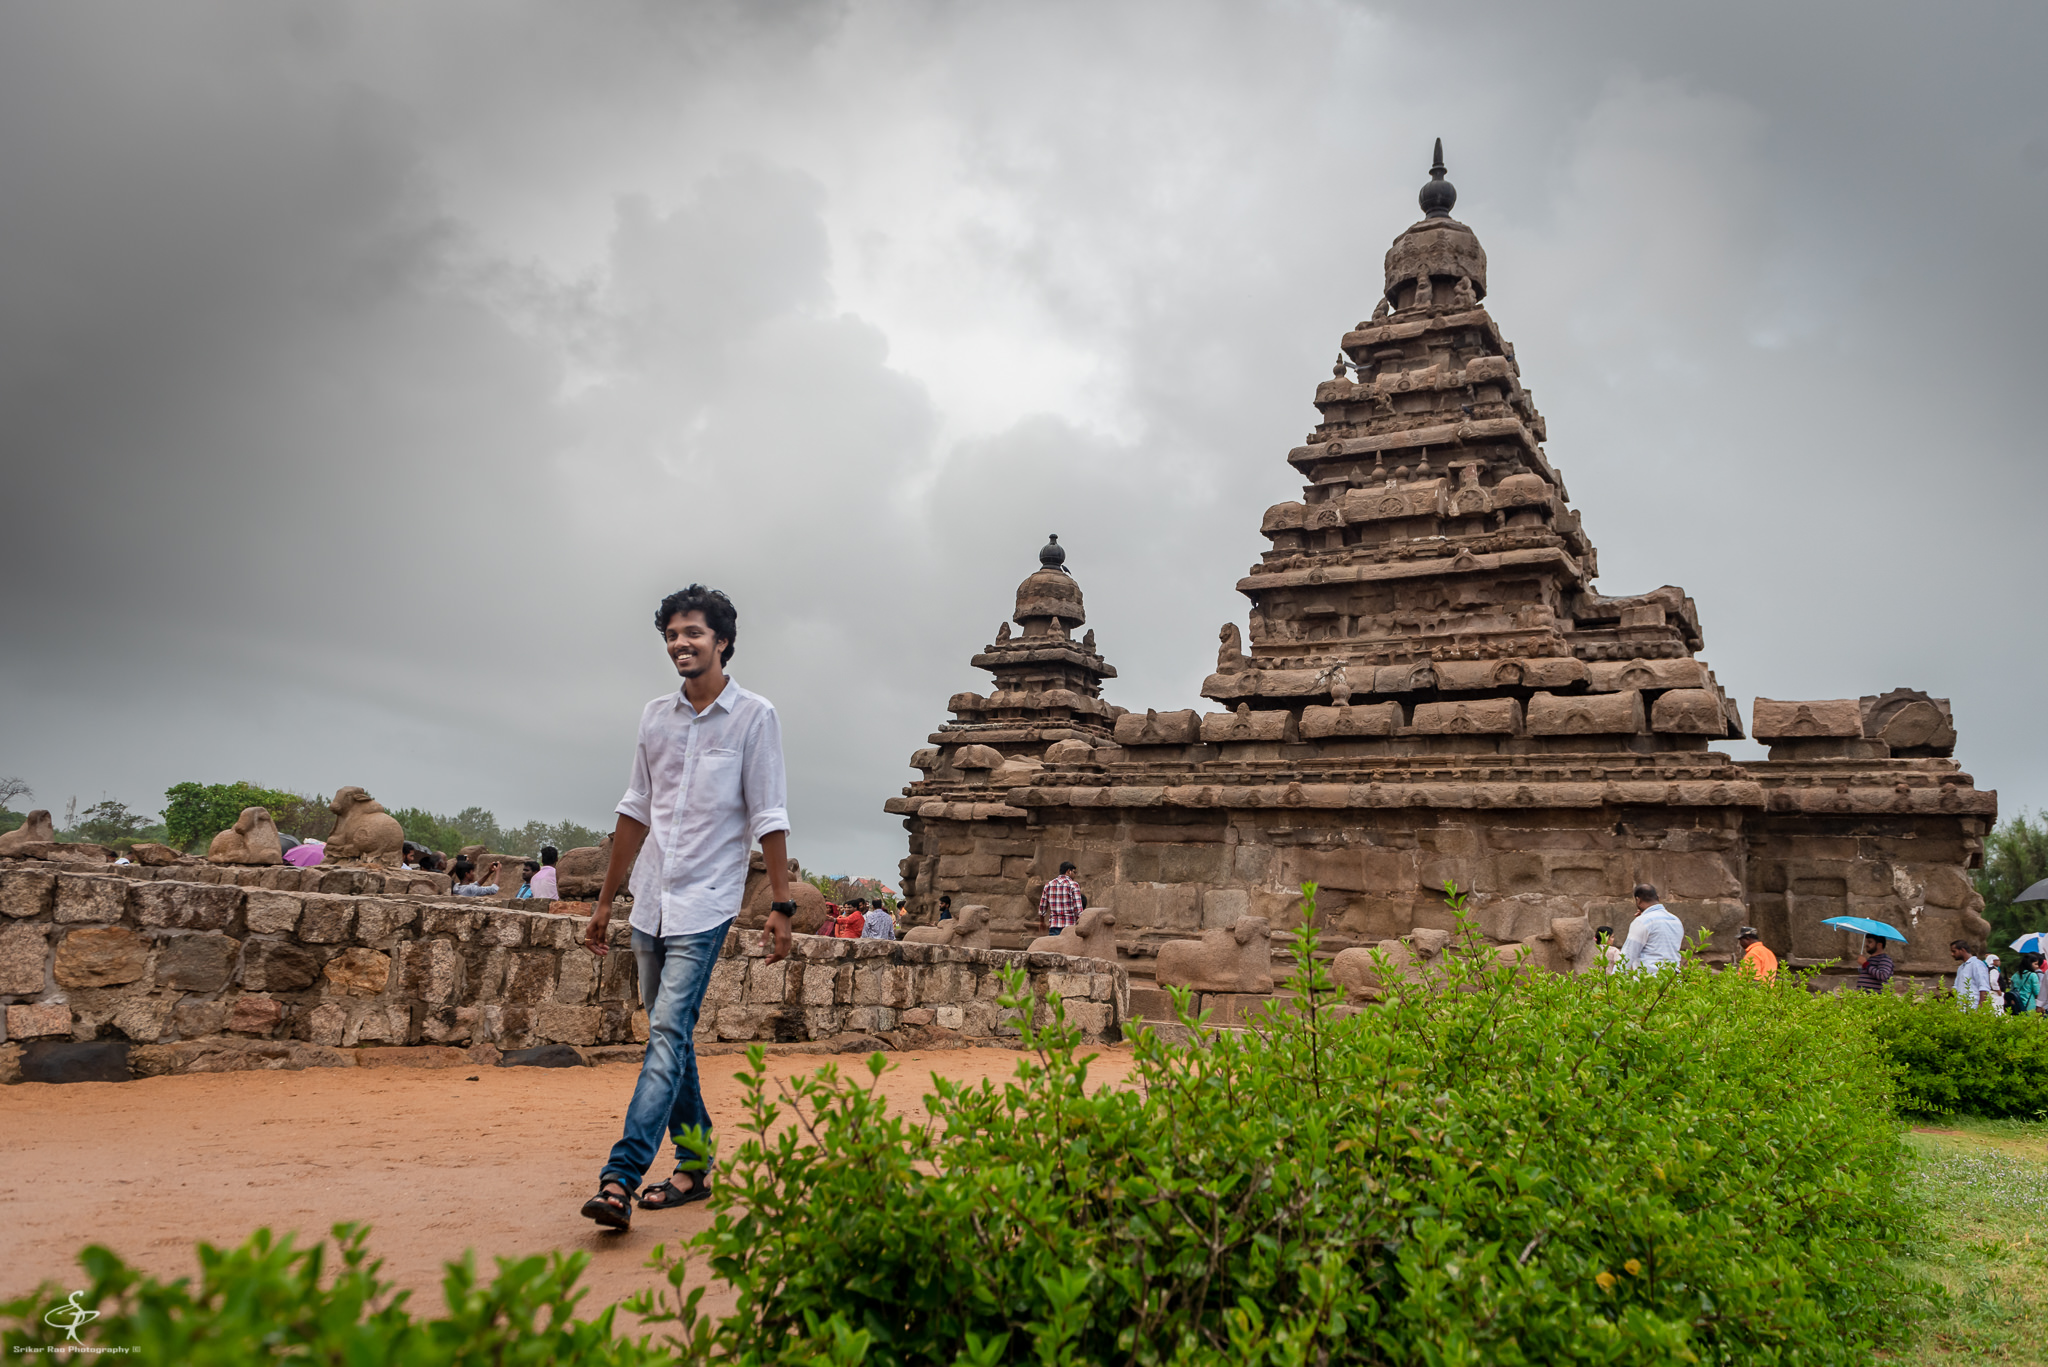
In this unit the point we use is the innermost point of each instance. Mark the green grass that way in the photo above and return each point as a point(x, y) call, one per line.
point(1986, 1182)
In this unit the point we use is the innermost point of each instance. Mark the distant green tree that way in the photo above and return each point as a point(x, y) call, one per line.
point(477, 827)
point(194, 813)
point(11, 821)
point(106, 822)
point(563, 835)
point(422, 827)
point(2015, 858)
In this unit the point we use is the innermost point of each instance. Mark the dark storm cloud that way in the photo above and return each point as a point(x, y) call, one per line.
point(368, 372)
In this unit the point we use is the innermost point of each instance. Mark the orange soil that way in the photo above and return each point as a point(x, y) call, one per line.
point(435, 1163)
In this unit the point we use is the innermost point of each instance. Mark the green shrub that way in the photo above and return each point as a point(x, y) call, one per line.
point(194, 813)
point(1551, 1169)
point(269, 1301)
point(1959, 1062)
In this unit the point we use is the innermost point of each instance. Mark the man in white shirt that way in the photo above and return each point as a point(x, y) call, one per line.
point(1973, 979)
point(1655, 937)
point(707, 783)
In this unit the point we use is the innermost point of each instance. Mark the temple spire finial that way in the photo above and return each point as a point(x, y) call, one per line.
point(1439, 195)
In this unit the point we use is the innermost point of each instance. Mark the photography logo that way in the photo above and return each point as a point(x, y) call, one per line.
point(70, 1317)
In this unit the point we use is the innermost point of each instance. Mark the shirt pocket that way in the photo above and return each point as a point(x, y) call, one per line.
point(717, 784)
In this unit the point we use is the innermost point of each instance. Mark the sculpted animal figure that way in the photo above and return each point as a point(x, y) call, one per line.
point(1416, 958)
point(251, 840)
point(1091, 937)
point(1239, 959)
point(969, 929)
point(365, 832)
point(36, 830)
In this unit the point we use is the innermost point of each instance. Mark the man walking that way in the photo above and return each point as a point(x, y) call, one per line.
point(878, 924)
point(1973, 980)
point(707, 783)
point(1757, 959)
point(1059, 905)
point(1655, 937)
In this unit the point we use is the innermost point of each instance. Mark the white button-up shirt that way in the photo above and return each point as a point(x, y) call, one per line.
point(707, 785)
point(1654, 939)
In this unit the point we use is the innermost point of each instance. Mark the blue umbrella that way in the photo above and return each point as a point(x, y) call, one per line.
point(2034, 942)
point(1867, 926)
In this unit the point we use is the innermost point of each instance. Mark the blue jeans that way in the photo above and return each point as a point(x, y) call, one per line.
point(674, 971)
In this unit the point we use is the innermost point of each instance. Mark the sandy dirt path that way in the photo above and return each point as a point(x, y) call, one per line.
point(435, 1163)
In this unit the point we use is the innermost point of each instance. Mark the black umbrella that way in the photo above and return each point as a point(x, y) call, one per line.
point(2037, 893)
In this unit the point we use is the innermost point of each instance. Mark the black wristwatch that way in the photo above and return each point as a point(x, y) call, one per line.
point(786, 908)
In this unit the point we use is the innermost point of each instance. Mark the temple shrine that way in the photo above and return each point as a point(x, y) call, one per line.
point(1429, 690)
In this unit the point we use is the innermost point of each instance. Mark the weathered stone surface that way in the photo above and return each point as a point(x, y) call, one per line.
point(568, 1024)
point(84, 899)
point(1363, 719)
point(24, 958)
point(358, 972)
point(364, 832)
point(531, 979)
point(144, 1019)
point(1489, 716)
point(25, 892)
point(194, 963)
point(432, 972)
point(185, 906)
point(326, 919)
point(1590, 714)
point(544, 1056)
point(414, 1056)
point(1092, 937)
point(967, 929)
point(326, 1023)
point(1774, 720)
point(1689, 711)
point(38, 1020)
point(251, 1015)
point(192, 1017)
point(271, 913)
point(232, 1055)
point(277, 966)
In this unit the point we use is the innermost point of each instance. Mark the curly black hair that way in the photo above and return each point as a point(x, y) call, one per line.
point(719, 614)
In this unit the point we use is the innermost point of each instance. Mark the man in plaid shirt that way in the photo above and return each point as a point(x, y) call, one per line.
point(1059, 906)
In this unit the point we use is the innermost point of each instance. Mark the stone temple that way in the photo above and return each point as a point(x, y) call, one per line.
point(1433, 691)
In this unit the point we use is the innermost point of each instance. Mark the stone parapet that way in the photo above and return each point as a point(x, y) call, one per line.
point(194, 974)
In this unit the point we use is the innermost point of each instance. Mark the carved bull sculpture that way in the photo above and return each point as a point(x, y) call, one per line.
point(365, 831)
point(1237, 959)
point(251, 840)
point(38, 829)
point(1091, 937)
point(968, 929)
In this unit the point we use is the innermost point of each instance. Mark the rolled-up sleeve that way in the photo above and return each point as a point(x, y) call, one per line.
point(763, 784)
point(638, 802)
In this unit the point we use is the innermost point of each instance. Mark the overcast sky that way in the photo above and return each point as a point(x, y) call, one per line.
point(369, 371)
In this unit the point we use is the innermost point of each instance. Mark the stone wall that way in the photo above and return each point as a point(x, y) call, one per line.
point(208, 976)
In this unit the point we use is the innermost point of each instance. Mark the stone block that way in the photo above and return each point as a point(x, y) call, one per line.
point(737, 1022)
point(191, 1019)
point(766, 982)
point(1836, 717)
point(575, 979)
point(145, 1019)
point(1175, 863)
point(25, 955)
point(450, 1025)
point(1222, 906)
point(568, 1024)
point(431, 972)
point(531, 979)
point(327, 920)
point(827, 984)
point(1589, 714)
point(1268, 724)
point(82, 898)
point(278, 966)
point(270, 913)
point(882, 984)
point(868, 1019)
point(1477, 717)
point(358, 972)
point(1608, 676)
point(1156, 906)
point(378, 919)
point(195, 963)
point(641, 1032)
point(185, 906)
point(1370, 719)
point(378, 1025)
point(41, 1020)
point(1092, 1019)
point(982, 1017)
point(506, 928)
point(1151, 1003)
point(970, 866)
point(726, 985)
point(24, 893)
point(252, 1015)
point(948, 1017)
point(1068, 984)
point(1689, 712)
point(1158, 728)
point(454, 921)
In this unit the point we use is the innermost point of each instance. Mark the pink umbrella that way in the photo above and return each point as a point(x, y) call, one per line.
point(305, 855)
